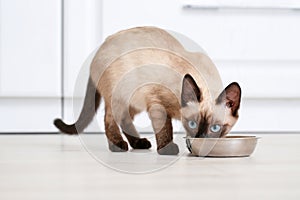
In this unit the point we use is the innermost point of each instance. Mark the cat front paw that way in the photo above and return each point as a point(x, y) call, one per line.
point(141, 143)
point(121, 146)
point(169, 149)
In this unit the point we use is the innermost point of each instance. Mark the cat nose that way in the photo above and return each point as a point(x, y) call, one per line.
point(205, 135)
point(201, 135)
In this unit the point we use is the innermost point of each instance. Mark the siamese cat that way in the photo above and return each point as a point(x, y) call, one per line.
point(147, 69)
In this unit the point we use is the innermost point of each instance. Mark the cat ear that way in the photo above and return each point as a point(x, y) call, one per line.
point(190, 91)
point(232, 97)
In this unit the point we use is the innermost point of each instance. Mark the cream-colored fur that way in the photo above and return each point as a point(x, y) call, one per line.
point(155, 59)
point(146, 68)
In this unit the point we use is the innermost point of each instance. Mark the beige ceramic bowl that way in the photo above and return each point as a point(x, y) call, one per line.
point(229, 146)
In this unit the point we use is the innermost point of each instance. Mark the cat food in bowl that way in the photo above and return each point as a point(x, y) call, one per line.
point(229, 146)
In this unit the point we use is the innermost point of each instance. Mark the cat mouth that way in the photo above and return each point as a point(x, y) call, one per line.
point(207, 135)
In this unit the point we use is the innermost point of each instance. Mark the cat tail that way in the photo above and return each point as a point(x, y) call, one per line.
point(90, 106)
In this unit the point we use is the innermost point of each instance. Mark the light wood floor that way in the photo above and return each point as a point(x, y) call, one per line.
point(54, 167)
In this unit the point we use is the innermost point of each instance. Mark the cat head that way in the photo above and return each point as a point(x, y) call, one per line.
point(202, 118)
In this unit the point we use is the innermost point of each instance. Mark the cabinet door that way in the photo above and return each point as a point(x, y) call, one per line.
point(82, 33)
point(257, 48)
point(248, 46)
point(30, 48)
point(30, 64)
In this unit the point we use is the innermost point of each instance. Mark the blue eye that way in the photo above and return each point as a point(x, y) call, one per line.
point(192, 124)
point(215, 128)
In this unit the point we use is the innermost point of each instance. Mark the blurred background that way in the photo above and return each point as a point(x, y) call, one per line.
point(43, 44)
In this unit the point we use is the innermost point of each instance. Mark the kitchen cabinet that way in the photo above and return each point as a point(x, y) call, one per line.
point(30, 48)
point(45, 43)
point(82, 36)
point(259, 48)
point(43, 46)
point(246, 45)
point(30, 64)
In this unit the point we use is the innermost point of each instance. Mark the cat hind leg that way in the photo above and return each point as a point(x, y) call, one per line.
point(112, 131)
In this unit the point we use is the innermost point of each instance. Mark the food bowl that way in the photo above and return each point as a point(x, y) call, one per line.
point(229, 146)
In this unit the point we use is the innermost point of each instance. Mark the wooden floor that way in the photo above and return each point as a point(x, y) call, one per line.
point(56, 167)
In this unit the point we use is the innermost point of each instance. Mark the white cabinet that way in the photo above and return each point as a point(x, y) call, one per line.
point(259, 48)
point(30, 64)
point(82, 35)
point(246, 45)
point(30, 48)
point(33, 34)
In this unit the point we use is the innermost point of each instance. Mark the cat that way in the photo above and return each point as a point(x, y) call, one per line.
point(147, 69)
